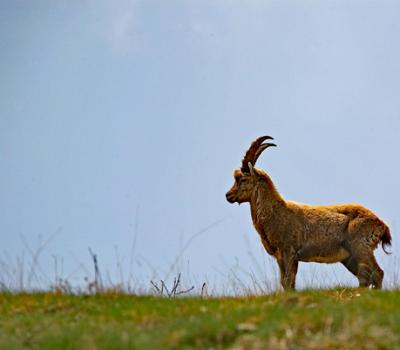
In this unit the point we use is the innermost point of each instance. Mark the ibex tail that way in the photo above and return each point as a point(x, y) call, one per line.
point(386, 239)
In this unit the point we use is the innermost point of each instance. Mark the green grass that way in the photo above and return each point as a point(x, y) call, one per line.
point(325, 319)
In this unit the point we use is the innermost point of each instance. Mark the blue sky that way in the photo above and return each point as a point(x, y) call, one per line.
point(124, 114)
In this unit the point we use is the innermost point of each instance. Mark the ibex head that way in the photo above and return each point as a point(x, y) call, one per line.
point(246, 176)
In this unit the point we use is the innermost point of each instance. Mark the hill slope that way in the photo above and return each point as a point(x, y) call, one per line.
point(325, 319)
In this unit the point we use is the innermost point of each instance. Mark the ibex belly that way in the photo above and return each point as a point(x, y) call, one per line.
point(322, 254)
point(324, 241)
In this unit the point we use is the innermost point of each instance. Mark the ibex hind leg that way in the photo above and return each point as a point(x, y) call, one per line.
point(366, 269)
point(360, 270)
point(351, 264)
point(366, 235)
point(376, 273)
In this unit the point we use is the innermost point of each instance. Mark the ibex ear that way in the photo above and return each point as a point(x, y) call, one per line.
point(252, 171)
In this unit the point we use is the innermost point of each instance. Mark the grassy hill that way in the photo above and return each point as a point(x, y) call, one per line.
point(324, 319)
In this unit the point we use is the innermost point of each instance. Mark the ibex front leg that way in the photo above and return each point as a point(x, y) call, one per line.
point(288, 265)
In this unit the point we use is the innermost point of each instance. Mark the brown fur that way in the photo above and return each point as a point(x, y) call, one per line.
point(293, 232)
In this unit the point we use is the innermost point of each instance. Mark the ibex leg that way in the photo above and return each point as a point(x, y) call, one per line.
point(371, 270)
point(351, 264)
point(367, 270)
point(288, 268)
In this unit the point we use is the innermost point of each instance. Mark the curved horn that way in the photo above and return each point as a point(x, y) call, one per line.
point(256, 148)
point(251, 168)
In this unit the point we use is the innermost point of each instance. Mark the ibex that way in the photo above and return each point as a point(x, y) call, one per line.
point(293, 232)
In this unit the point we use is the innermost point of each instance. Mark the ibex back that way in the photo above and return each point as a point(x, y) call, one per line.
point(293, 232)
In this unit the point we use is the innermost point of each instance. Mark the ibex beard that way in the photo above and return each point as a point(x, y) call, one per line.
point(294, 232)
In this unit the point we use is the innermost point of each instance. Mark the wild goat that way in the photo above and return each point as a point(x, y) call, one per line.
point(293, 232)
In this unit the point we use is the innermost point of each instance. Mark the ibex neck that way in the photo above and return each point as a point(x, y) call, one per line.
point(265, 202)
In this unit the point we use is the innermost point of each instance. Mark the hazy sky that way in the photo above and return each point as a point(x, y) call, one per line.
point(119, 117)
